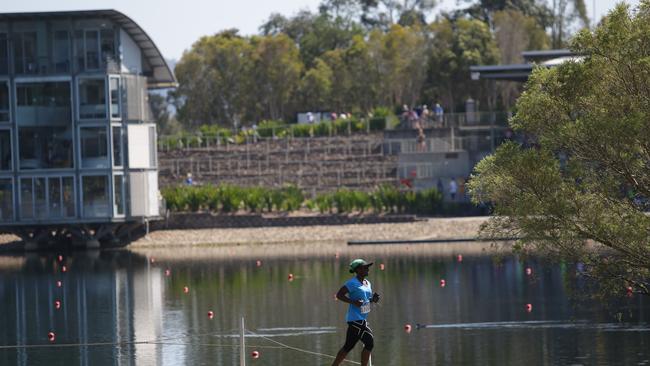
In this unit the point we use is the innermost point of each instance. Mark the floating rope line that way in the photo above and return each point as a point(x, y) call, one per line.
point(300, 349)
point(125, 343)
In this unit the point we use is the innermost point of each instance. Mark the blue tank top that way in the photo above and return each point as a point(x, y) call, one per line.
point(358, 291)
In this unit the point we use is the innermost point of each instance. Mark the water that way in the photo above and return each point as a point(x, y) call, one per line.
point(119, 308)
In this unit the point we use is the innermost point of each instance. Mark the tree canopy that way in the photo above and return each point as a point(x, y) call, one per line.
point(579, 187)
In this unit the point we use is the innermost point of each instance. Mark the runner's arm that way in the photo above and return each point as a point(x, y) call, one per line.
point(342, 296)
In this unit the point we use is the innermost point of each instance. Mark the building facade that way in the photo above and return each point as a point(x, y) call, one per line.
point(77, 140)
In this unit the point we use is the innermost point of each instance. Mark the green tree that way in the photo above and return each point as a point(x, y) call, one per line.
point(456, 45)
point(580, 190)
point(214, 80)
point(276, 70)
point(515, 33)
point(316, 86)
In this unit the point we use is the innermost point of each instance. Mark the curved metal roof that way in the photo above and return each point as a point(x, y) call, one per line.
point(158, 73)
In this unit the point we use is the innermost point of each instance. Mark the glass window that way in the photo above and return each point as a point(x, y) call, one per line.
point(94, 149)
point(152, 147)
point(45, 148)
point(95, 196)
point(54, 189)
point(5, 150)
point(92, 99)
point(43, 104)
point(4, 102)
point(68, 196)
point(115, 98)
point(117, 146)
point(6, 200)
point(61, 52)
point(4, 54)
point(119, 194)
point(40, 205)
point(26, 198)
point(25, 53)
point(108, 48)
point(91, 48)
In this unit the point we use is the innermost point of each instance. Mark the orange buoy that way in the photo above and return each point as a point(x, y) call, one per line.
point(186, 289)
point(59, 284)
point(407, 328)
point(57, 304)
point(443, 283)
point(258, 263)
point(459, 258)
point(64, 269)
point(168, 272)
point(210, 314)
point(382, 266)
point(255, 354)
point(529, 271)
point(529, 308)
point(51, 336)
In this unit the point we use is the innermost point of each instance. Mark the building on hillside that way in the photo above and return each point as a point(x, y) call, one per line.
point(451, 149)
point(77, 139)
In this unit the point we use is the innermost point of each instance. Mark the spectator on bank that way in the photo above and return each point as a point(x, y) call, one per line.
point(453, 189)
point(310, 117)
point(188, 180)
point(439, 112)
point(440, 187)
point(421, 139)
point(255, 134)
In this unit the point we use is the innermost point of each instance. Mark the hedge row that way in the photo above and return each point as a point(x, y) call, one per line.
point(229, 198)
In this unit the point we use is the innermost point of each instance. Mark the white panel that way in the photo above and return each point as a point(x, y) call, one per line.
point(152, 185)
point(131, 55)
point(138, 137)
point(138, 187)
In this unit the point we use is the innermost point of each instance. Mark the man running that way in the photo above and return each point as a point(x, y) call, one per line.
point(358, 293)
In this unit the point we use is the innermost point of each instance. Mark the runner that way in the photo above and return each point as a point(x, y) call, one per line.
point(358, 293)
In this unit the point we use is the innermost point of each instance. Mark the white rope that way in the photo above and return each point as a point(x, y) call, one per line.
point(300, 349)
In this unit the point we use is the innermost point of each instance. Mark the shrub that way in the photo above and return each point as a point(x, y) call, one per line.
point(267, 128)
point(292, 198)
point(254, 198)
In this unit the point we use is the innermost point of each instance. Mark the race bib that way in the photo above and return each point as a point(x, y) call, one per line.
point(365, 309)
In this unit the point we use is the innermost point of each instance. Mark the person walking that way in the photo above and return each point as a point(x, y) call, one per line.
point(358, 293)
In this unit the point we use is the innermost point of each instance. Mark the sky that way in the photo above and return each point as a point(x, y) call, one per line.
point(175, 24)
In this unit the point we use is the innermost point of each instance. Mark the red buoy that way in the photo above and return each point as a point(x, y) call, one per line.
point(255, 354)
point(529, 271)
point(407, 328)
point(64, 269)
point(210, 314)
point(60, 258)
point(629, 291)
point(51, 336)
point(443, 283)
point(459, 258)
point(59, 284)
point(529, 308)
point(290, 277)
point(168, 272)
point(258, 263)
point(186, 290)
point(57, 304)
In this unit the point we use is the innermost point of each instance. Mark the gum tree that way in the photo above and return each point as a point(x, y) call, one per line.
point(579, 187)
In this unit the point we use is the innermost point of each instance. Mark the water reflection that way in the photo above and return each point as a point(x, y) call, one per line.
point(121, 308)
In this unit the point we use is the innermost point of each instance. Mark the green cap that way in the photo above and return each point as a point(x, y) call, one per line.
point(358, 263)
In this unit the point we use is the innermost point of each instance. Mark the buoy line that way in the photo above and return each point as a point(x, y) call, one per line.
point(300, 349)
point(128, 343)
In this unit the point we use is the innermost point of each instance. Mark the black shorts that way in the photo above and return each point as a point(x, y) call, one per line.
point(358, 330)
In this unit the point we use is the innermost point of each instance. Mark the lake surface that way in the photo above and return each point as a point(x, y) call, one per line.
point(121, 308)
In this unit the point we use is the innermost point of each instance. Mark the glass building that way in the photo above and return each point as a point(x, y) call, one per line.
point(78, 157)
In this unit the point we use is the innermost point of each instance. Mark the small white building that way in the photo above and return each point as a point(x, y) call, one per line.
point(78, 158)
